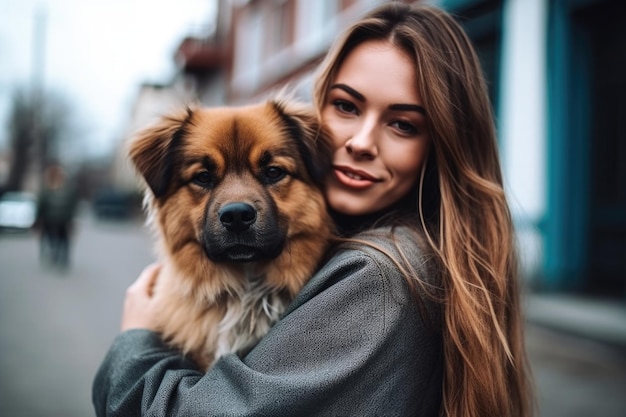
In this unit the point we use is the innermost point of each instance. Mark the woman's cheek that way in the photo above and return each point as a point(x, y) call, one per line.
point(337, 128)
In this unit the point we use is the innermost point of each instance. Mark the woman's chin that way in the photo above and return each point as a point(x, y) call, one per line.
point(350, 206)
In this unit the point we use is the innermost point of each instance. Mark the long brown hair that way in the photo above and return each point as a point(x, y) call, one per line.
point(468, 227)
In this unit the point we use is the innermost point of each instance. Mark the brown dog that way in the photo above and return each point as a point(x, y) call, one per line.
point(235, 197)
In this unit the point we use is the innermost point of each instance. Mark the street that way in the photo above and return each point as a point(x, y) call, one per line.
point(576, 377)
point(55, 328)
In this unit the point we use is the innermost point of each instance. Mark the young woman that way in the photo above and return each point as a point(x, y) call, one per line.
point(418, 312)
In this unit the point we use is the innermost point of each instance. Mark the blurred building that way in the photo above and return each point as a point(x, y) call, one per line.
point(555, 71)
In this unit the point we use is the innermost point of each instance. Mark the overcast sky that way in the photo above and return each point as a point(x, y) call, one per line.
point(96, 54)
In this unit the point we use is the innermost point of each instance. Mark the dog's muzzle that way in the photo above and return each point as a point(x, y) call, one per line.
point(240, 233)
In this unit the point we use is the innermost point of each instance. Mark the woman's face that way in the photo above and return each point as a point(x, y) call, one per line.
point(378, 126)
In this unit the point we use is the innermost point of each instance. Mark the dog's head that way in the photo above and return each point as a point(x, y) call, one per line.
point(237, 183)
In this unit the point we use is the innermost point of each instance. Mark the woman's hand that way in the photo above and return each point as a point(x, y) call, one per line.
point(139, 306)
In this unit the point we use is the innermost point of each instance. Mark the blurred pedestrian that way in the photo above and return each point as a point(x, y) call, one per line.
point(56, 208)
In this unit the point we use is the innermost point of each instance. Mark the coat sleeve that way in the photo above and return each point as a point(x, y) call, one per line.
point(352, 343)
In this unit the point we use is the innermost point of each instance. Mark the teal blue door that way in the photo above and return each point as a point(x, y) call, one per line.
point(585, 225)
point(604, 28)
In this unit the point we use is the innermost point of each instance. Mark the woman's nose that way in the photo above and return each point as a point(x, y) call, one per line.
point(363, 143)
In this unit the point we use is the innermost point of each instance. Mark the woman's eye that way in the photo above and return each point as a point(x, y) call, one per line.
point(202, 179)
point(274, 174)
point(404, 127)
point(344, 106)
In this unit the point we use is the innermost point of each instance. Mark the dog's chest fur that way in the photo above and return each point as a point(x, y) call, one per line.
point(248, 317)
point(231, 321)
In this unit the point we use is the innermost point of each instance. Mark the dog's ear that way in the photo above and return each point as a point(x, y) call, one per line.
point(152, 149)
point(312, 139)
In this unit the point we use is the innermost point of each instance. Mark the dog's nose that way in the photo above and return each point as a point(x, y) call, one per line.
point(237, 217)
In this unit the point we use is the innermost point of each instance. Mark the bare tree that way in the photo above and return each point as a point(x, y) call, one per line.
point(38, 122)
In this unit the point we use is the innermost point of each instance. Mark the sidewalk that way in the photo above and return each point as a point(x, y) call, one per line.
point(596, 319)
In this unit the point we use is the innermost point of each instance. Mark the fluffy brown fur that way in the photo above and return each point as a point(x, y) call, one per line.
point(234, 196)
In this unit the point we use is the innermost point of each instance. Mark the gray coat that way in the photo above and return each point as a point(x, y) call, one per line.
point(353, 343)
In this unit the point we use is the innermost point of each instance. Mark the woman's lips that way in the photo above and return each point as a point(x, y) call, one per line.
point(354, 178)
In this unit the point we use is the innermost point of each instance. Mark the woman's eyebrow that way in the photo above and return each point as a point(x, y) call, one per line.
point(360, 97)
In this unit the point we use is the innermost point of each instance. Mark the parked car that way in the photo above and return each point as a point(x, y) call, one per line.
point(112, 204)
point(18, 210)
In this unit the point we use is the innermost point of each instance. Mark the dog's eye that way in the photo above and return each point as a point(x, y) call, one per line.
point(274, 174)
point(202, 179)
